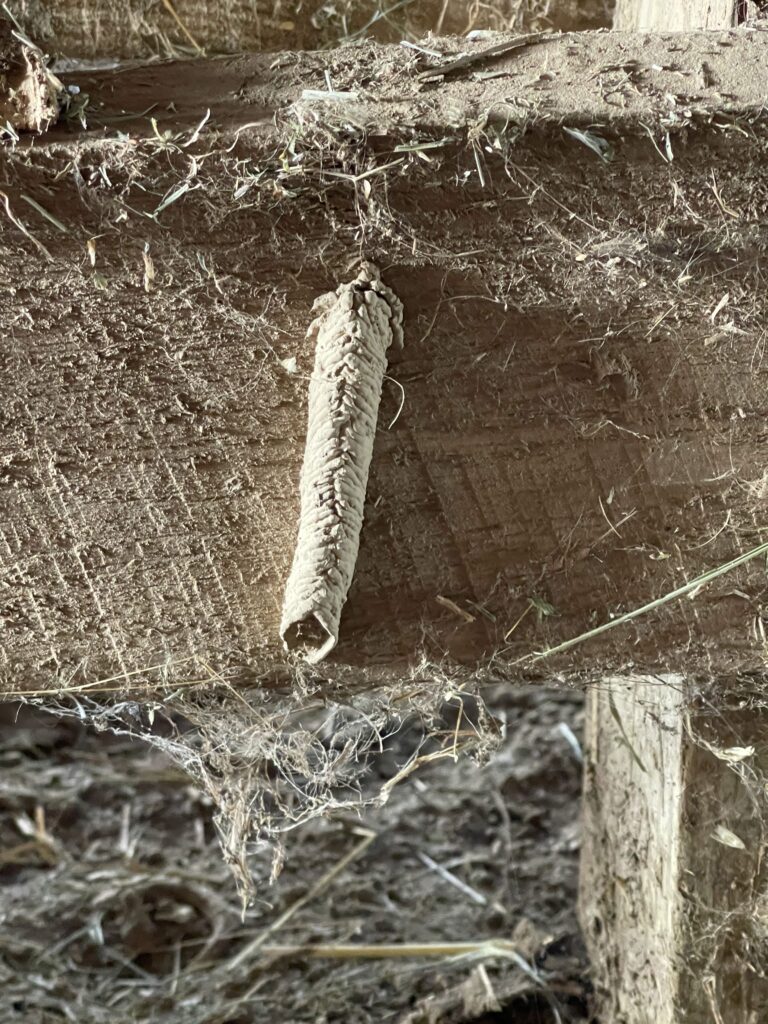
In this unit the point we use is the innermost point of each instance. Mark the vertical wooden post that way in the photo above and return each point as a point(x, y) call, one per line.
point(674, 887)
point(674, 15)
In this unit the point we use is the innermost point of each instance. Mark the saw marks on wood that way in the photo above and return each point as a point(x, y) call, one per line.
point(582, 424)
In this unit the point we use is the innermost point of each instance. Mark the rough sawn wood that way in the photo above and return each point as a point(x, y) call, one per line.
point(583, 370)
point(674, 887)
point(678, 16)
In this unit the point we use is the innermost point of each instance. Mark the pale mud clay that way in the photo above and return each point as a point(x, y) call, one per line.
point(356, 325)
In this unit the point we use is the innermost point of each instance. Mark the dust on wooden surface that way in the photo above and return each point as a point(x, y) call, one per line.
point(108, 29)
point(583, 369)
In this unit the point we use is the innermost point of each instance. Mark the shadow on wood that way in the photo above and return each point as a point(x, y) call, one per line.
point(583, 371)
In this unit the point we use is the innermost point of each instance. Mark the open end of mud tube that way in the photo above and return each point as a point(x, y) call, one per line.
point(309, 637)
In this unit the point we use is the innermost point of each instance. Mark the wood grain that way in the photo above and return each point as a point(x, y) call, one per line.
point(673, 887)
point(583, 370)
point(678, 16)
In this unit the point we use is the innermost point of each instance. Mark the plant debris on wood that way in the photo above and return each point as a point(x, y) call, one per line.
point(28, 91)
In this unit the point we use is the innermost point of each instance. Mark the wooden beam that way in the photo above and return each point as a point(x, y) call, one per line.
point(674, 888)
point(573, 428)
point(103, 29)
point(676, 16)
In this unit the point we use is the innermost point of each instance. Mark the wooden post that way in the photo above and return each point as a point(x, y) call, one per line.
point(674, 889)
point(674, 15)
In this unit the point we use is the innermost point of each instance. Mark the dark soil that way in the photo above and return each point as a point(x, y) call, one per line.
point(117, 906)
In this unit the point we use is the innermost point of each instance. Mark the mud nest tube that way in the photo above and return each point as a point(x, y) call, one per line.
point(354, 328)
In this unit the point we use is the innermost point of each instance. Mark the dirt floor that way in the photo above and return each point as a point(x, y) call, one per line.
point(116, 905)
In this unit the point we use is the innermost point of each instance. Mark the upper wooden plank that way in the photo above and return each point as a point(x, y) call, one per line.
point(602, 76)
point(108, 29)
point(583, 372)
point(676, 16)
